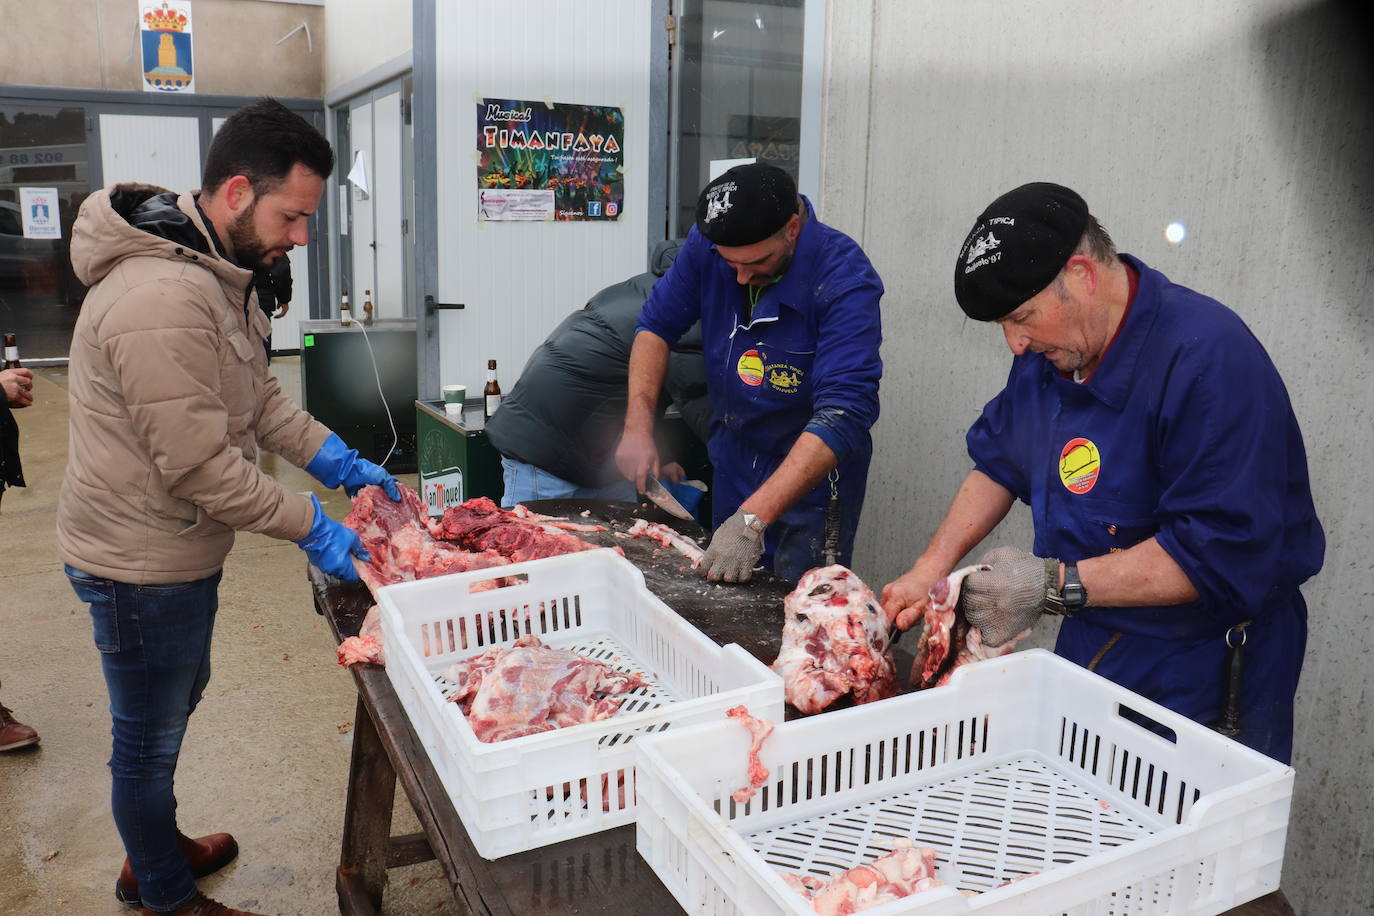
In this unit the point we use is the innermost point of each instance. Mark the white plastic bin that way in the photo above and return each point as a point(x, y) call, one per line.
point(526, 792)
point(1023, 769)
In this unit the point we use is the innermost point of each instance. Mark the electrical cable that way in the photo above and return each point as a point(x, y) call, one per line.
point(376, 373)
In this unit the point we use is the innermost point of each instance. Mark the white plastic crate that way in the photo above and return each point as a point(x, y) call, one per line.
point(1023, 769)
point(526, 792)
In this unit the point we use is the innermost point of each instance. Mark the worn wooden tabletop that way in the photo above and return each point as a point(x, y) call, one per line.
point(600, 873)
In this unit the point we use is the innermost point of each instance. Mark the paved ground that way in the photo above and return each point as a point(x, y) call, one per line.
point(266, 756)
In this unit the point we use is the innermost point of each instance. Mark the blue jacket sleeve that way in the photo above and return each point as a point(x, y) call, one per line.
point(674, 304)
point(848, 366)
point(1230, 453)
point(993, 442)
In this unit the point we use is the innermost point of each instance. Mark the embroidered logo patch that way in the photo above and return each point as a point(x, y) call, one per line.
point(750, 368)
point(783, 378)
point(1079, 465)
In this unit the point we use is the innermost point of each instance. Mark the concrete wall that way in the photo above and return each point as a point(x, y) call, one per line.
point(363, 35)
point(87, 44)
point(1248, 121)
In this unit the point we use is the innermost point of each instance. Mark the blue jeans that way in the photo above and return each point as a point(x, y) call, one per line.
point(525, 482)
point(154, 643)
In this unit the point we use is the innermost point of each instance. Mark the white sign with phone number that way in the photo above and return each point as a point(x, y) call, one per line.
point(39, 209)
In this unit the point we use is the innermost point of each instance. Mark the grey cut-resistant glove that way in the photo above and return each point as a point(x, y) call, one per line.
point(734, 549)
point(1011, 596)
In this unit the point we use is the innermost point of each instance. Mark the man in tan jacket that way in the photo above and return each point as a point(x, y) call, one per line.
point(170, 401)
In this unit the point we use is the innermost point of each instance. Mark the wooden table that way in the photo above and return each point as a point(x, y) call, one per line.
point(601, 873)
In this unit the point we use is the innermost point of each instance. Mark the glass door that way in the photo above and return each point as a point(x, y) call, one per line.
point(44, 177)
point(737, 91)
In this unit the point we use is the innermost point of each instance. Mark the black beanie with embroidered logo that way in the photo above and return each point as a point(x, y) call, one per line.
point(1017, 247)
point(746, 204)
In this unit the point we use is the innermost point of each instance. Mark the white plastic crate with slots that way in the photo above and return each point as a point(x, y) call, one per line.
point(526, 792)
point(1022, 770)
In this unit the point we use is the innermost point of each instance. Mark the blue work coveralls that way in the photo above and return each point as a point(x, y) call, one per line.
point(1185, 434)
point(807, 360)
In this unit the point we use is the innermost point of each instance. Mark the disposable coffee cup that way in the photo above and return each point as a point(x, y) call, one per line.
point(454, 394)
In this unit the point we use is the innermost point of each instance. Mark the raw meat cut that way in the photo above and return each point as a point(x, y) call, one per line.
point(479, 524)
point(905, 871)
point(366, 647)
point(554, 521)
point(758, 730)
point(397, 536)
point(946, 626)
point(834, 641)
point(527, 687)
point(668, 538)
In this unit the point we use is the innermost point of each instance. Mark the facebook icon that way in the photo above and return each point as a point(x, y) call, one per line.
point(593, 208)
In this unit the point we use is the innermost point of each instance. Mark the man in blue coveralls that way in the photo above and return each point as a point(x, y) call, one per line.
point(790, 326)
point(1154, 441)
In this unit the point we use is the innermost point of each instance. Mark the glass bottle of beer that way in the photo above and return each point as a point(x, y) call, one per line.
point(367, 307)
point(491, 394)
point(11, 353)
point(345, 315)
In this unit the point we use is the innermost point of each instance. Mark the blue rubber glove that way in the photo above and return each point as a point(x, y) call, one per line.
point(329, 545)
point(336, 463)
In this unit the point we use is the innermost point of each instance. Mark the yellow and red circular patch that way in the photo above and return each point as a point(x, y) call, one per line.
point(750, 368)
point(1079, 465)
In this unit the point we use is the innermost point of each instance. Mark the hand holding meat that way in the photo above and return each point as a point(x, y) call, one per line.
point(1009, 597)
point(335, 464)
point(906, 599)
point(734, 551)
point(18, 385)
point(331, 546)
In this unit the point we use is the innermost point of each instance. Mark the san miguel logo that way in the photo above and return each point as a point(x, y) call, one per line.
point(1079, 464)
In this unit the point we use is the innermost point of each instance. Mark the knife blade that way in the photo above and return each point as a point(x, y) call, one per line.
point(659, 496)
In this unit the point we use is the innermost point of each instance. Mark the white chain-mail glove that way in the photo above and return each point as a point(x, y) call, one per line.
point(1011, 596)
point(734, 550)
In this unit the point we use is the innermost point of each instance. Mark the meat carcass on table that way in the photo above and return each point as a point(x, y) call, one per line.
point(479, 524)
point(947, 629)
point(834, 641)
point(527, 687)
point(365, 648)
point(905, 871)
point(397, 535)
point(668, 538)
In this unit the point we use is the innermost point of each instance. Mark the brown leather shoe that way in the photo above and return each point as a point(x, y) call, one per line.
point(13, 733)
point(201, 905)
point(206, 855)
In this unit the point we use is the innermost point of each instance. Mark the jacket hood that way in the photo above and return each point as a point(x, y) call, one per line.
point(140, 220)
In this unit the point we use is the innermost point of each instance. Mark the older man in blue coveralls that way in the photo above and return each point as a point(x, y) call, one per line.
point(1166, 475)
point(790, 326)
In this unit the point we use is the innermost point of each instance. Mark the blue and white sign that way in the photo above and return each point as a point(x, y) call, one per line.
point(166, 45)
point(39, 206)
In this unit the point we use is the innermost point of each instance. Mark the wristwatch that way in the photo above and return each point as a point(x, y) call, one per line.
point(754, 523)
point(1068, 598)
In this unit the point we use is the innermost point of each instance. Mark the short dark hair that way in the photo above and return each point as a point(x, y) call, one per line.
point(263, 142)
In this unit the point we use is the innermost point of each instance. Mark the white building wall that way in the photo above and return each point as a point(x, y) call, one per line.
point(1247, 121)
point(519, 279)
point(361, 35)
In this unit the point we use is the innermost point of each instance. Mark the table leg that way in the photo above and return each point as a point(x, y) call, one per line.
point(367, 819)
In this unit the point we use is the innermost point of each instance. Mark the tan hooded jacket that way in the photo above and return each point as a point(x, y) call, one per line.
point(170, 400)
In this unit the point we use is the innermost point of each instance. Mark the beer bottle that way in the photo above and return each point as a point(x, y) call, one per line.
point(345, 315)
point(491, 394)
point(11, 353)
point(367, 307)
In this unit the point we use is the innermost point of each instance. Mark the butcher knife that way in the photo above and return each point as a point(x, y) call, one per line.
point(658, 494)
